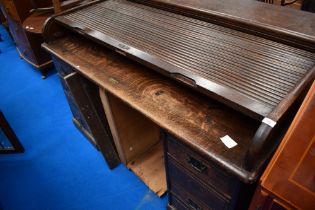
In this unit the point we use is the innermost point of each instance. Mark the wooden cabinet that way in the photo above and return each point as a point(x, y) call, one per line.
point(26, 28)
point(289, 180)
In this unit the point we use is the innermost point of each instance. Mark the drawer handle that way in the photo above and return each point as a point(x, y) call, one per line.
point(184, 79)
point(193, 205)
point(197, 165)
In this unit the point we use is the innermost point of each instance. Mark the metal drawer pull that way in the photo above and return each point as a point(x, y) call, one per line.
point(197, 165)
point(193, 205)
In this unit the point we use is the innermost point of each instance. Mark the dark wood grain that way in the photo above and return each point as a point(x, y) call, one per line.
point(175, 204)
point(204, 170)
point(251, 74)
point(34, 23)
point(290, 174)
point(278, 23)
point(28, 44)
point(194, 119)
point(193, 193)
point(257, 76)
point(78, 118)
point(90, 106)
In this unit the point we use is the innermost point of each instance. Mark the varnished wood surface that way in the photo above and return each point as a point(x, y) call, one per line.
point(18, 10)
point(191, 191)
point(263, 201)
point(247, 13)
point(205, 171)
point(89, 105)
point(175, 204)
point(28, 44)
point(35, 22)
point(249, 73)
point(193, 118)
point(290, 175)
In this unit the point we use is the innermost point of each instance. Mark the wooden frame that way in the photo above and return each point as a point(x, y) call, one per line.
point(17, 147)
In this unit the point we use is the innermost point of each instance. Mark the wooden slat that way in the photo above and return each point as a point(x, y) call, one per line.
point(276, 22)
point(244, 71)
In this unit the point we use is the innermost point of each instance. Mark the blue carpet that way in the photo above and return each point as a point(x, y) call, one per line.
point(60, 169)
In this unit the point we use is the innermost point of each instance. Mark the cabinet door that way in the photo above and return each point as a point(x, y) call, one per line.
point(84, 96)
point(291, 173)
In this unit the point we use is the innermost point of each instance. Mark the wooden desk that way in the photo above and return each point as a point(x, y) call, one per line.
point(25, 28)
point(159, 127)
point(194, 122)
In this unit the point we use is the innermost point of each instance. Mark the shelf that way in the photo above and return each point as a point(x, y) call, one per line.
point(35, 22)
point(149, 167)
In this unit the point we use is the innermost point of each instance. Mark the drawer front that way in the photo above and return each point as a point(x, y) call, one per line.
point(202, 169)
point(87, 102)
point(176, 204)
point(62, 68)
point(191, 192)
point(74, 107)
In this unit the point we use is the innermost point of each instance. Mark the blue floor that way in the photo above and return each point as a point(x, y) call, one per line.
point(60, 169)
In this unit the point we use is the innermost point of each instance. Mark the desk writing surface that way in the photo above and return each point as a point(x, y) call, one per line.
point(195, 119)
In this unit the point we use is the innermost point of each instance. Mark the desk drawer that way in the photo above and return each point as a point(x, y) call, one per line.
point(62, 68)
point(204, 170)
point(190, 191)
point(176, 203)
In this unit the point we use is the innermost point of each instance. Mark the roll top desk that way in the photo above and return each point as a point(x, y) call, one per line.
point(192, 98)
